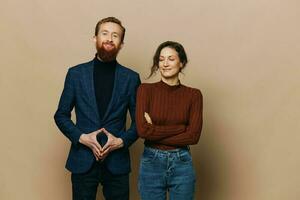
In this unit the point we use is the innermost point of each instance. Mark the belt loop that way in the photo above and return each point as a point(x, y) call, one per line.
point(155, 152)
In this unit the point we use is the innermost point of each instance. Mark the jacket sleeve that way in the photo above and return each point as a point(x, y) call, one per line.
point(66, 104)
point(149, 131)
point(192, 134)
point(130, 136)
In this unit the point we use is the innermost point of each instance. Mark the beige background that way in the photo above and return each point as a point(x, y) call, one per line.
point(244, 56)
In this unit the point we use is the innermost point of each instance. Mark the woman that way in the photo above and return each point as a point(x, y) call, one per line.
point(169, 118)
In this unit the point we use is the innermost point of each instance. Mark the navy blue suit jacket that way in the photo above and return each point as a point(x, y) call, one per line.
point(79, 93)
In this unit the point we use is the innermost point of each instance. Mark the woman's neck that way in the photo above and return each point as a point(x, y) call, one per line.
point(171, 81)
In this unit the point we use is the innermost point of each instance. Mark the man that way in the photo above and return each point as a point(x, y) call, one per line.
point(101, 91)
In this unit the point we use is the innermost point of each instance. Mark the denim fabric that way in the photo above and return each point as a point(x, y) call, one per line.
point(163, 171)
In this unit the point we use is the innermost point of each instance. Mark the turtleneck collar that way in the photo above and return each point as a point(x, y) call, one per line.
point(101, 63)
point(169, 87)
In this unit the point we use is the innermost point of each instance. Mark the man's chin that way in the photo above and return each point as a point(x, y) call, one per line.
point(107, 56)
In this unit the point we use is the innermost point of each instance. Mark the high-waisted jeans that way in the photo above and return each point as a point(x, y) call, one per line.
point(163, 171)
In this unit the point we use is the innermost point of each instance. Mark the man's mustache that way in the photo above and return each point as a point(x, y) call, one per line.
point(110, 43)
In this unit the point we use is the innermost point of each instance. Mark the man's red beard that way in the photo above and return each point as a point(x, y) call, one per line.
point(107, 55)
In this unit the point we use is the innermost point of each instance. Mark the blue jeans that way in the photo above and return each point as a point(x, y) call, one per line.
point(163, 171)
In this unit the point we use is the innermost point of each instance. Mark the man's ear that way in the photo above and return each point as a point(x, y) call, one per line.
point(94, 38)
point(121, 45)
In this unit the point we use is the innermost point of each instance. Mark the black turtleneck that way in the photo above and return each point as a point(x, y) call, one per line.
point(104, 77)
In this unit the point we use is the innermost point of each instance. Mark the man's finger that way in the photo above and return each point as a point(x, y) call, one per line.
point(98, 146)
point(105, 131)
point(97, 131)
point(96, 155)
point(102, 157)
point(105, 152)
point(100, 130)
point(107, 145)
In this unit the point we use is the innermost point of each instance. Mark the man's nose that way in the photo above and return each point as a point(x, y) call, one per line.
point(109, 38)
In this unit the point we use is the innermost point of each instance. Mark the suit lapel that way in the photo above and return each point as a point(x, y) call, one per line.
point(89, 85)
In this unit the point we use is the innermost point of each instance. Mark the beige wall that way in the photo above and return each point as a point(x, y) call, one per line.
point(244, 56)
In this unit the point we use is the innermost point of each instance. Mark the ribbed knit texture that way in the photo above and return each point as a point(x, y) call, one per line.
point(176, 114)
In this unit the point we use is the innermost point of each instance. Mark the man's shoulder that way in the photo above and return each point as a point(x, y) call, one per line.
point(81, 66)
point(128, 70)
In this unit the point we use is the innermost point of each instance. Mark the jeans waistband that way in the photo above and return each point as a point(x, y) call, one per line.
point(177, 150)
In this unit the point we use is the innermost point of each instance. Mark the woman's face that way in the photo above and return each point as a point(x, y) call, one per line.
point(169, 63)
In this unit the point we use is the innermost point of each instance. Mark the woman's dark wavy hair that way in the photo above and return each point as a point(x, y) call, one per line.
point(171, 44)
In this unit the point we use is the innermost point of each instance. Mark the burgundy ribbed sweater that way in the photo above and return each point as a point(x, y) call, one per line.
point(175, 111)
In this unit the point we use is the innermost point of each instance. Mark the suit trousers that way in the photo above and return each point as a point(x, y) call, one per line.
point(114, 187)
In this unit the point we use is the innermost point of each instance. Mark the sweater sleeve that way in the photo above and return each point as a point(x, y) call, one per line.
point(149, 131)
point(192, 134)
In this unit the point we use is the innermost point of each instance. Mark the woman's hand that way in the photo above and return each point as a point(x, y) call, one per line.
point(148, 118)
